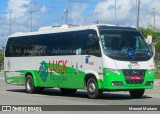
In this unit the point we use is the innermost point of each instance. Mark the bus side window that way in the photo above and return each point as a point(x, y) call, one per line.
point(78, 43)
point(92, 45)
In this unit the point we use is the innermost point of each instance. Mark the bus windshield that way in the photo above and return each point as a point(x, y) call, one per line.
point(125, 45)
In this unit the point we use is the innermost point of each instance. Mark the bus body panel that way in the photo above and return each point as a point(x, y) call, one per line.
point(69, 71)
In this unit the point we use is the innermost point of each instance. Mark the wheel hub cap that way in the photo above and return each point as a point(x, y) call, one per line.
point(92, 88)
point(28, 84)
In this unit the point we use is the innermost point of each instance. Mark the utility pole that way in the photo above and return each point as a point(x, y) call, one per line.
point(66, 12)
point(154, 17)
point(31, 19)
point(10, 22)
point(2, 36)
point(149, 24)
point(97, 22)
point(115, 12)
point(62, 19)
point(138, 15)
point(32, 11)
point(136, 11)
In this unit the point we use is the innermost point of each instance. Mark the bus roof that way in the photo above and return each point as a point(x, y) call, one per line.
point(67, 28)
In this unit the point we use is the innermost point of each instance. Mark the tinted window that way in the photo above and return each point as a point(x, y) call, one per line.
point(67, 43)
point(40, 45)
point(92, 46)
point(125, 45)
point(59, 44)
point(79, 42)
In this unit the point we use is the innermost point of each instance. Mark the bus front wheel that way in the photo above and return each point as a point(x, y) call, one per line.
point(137, 93)
point(29, 85)
point(92, 89)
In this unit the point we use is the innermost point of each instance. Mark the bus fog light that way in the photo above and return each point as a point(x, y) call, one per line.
point(117, 83)
point(148, 83)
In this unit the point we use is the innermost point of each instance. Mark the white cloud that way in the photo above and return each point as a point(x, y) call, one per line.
point(19, 7)
point(82, 12)
point(148, 6)
point(77, 11)
point(43, 9)
point(21, 17)
point(104, 11)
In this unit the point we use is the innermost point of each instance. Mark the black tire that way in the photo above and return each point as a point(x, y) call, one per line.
point(92, 89)
point(137, 93)
point(68, 91)
point(29, 85)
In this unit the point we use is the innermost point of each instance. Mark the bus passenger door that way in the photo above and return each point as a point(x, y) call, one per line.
point(92, 59)
point(78, 45)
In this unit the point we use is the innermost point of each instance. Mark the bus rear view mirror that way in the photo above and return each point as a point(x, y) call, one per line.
point(149, 40)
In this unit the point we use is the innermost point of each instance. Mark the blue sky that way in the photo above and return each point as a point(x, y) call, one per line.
point(83, 12)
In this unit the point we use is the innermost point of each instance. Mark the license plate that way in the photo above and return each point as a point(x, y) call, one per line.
point(135, 78)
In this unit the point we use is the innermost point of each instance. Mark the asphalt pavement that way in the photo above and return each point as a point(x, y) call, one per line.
point(16, 95)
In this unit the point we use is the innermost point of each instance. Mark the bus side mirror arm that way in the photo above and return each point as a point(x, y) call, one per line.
point(153, 50)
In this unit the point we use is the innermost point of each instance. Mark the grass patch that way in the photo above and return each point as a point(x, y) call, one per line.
point(157, 75)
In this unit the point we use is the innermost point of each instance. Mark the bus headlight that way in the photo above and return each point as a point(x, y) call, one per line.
point(150, 71)
point(114, 71)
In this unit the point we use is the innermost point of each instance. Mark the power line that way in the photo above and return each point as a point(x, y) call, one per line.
point(10, 22)
point(66, 12)
point(32, 12)
point(115, 12)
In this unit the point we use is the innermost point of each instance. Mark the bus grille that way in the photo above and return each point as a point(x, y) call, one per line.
point(128, 74)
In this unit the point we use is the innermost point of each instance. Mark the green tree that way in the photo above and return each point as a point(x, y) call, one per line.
point(157, 44)
point(2, 49)
point(2, 54)
point(154, 33)
point(1, 58)
point(147, 31)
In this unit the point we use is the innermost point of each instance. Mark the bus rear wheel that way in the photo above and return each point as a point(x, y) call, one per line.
point(68, 91)
point(92, 89)
point(137, 93)
point(29, 85)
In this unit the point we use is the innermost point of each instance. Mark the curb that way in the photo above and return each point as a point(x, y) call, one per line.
point(1, 72)
point(157, 81)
